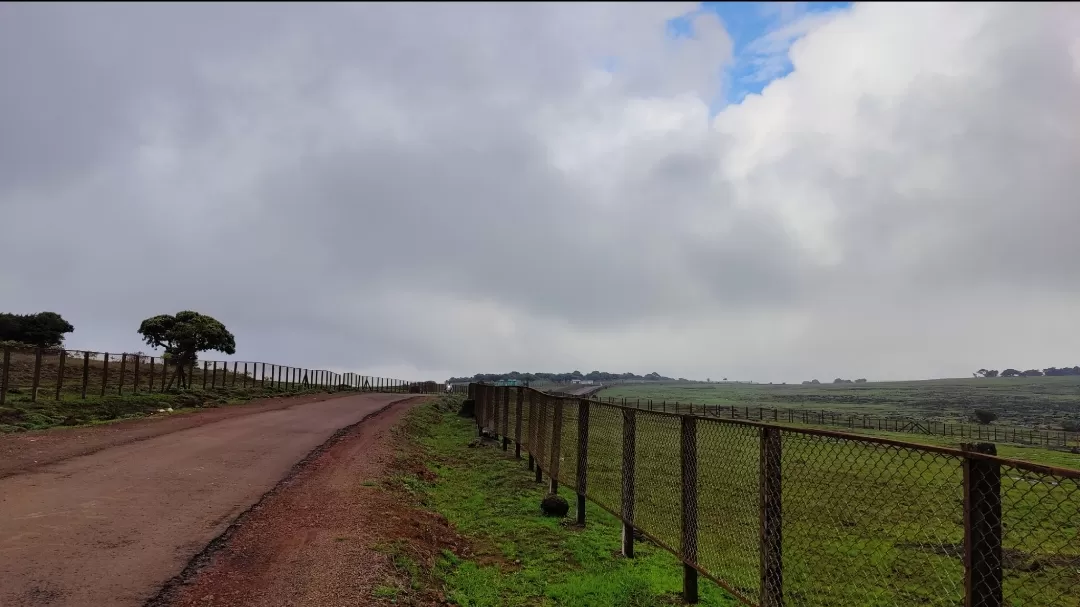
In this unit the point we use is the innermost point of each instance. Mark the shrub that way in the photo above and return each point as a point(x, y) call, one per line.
point(984, 417)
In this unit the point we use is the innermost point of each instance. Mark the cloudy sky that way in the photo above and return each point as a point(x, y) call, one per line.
point(765, 192)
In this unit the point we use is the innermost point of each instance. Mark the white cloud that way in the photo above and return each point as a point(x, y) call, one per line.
point(438, 189)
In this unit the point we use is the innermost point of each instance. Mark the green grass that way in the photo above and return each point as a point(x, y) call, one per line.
point(1038, 402)
point(19, 414)
point(863, 524)
point(532, 560)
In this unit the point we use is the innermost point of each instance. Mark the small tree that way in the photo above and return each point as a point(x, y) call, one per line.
point(861, 380)
point(814, 381)
point(984, 417)
point(183, 336)
point(1010, 373)
point(1070, 425)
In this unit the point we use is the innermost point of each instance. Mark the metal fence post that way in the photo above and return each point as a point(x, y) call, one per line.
point(556, 448)
point(982, 529)
point(771, 540)
point(629, 448)
point(505, 419)
point(688, 550)
point(37, 375)
point(517, 421)
point(582, 457)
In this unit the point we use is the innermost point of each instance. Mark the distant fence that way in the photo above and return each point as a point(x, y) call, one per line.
point(805, 516)
point(978, 432)
point(55, 374)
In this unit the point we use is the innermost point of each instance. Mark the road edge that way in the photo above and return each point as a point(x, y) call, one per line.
point(164, 595)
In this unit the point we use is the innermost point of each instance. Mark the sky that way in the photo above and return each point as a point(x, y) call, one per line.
point(766, 192)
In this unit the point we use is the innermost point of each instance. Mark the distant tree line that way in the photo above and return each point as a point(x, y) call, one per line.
point(861, 380)
point(1051, 372)
point(44, 329)
point(560, 377)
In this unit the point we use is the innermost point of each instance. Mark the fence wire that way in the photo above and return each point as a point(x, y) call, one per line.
point(780, 515)
point(30, 375)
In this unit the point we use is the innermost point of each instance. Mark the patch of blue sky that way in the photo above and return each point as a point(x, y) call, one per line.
point(761, 35)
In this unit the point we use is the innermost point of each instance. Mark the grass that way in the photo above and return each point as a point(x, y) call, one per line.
point(863, 524)
point(1036, 402)
point(528, 559)
point(19, 414)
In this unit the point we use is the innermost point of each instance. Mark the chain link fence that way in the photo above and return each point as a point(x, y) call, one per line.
point(1004, 433)
point(779, 515)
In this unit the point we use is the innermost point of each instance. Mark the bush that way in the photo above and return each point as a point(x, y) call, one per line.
point(984, 417)
point(1070, 425)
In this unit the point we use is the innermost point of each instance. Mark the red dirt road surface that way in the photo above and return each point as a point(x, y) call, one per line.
point(112, 526)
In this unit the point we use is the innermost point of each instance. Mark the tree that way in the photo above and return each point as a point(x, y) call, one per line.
point(861, 380)
point(814, 381)
point(183, 336)
point(984, 417)
point(1032, 373)
point(1010, 373)
point(44, 329)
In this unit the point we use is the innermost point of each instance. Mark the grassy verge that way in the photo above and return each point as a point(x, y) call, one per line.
point(19, 414)
point(521, 557)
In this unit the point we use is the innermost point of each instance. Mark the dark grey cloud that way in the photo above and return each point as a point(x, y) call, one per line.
point(445, 188)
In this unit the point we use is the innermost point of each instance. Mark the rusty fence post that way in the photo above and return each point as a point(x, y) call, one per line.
point(982, 529)
point(213, 378)
point(771, 538)
point(6, 375)
point(556, 448)
point(582, 458)
point(205, 368)
point(37, 375)
point(152, 374)
point(505, 418)
point(105, 374)
point(629, 449)
point(60, 374)
point(123, 368)
point(518, 406)
point(688, 550)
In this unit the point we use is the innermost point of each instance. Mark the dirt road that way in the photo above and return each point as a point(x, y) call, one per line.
point(113, 526)
point(321, 539)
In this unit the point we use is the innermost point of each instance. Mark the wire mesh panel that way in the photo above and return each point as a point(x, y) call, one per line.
point(870, 524)
point(605, 447)
point(568, 442)
point(1040, 549)
point(728, 504)
point(658, 495)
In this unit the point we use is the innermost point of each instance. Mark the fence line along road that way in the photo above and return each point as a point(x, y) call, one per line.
point(977, 432)
point(778, 515)
point(35, 374)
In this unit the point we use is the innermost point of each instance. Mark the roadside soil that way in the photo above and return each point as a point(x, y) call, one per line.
point(25, 451)
point(341, 532)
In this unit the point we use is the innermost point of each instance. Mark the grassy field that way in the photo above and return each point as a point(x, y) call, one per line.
point(863, 523)
point(490, 497)
point(1036, 402)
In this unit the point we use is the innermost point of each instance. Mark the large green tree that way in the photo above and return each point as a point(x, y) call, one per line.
point(183, 336)
point(44, 329)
